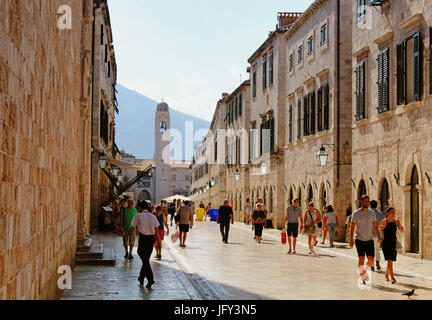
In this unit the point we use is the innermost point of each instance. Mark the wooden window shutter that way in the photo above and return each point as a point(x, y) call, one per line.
point(240, 104)
point(400, 73)
point(261, 138)
point(271, 68)
point(312, 114)
point(362, 90)
point(380, 82)
point(236, 108)
point(320, 117)
point(386, 80)
point(272, 136)
point(252, 144)
point(299, 119)
point(237, 150)
point(102, 34)
point(254, 84)
point(106, 53)
point(357, 92)
point(215, 151)
point(305, 116)
point(418, 67)
point(264, 74)
point(290, 123)
point(326, 107)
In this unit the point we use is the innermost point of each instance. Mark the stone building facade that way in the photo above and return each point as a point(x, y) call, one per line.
point(104, 106)
point(267, 119)
point(391, 57)
point(44, 166)
point(318, 107)
point(212, 152)
point(237, 148)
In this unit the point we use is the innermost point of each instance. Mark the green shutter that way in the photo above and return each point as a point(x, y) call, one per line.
point(386, 80)
point(290, 123)
point(298, 119)
point(326, 107)
point(254, 84)
point(236, 108)
point(401, 73)
point(240, 104)
point(380, 82)
point(418, 67)
point(305, 116)
point(320, 117)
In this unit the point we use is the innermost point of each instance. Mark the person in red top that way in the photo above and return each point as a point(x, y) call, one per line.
point(162, 223)
point(258, 220)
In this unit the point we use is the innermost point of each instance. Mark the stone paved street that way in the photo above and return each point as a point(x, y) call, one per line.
point(243, 269)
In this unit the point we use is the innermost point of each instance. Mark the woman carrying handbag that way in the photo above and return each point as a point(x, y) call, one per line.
point(312, 217)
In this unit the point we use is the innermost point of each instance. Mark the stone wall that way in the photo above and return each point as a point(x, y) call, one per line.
point(40, 87)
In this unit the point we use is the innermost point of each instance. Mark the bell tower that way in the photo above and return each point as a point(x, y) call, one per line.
point(162, 152)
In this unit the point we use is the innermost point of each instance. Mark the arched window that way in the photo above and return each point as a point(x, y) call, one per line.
point(361, 191)
point(414, 212)
point(323, 198)
point(384, 195)
point(300, 197)
point(310, 194)
point(163, 126)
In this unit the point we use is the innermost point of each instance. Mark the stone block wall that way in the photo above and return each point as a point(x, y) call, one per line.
point(40, 90)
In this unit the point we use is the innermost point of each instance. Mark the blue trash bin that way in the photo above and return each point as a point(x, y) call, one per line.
point(213, 213)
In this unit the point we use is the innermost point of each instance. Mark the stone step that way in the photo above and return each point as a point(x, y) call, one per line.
point(95, 251)
point(108, 259)
point(85, 246)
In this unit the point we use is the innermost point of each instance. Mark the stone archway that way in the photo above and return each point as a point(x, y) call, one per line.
point(144, 195)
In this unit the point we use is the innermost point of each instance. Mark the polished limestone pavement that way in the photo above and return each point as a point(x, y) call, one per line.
point(244, 269)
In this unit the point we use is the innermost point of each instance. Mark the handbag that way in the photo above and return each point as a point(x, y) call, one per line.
point(175, 236)
point(312, 227)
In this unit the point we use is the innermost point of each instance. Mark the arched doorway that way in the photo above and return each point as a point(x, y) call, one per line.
point(414, 212)
point(290, 196)
point(384, 196)
point(144, 195)
point(361, 191)
point(300, 197)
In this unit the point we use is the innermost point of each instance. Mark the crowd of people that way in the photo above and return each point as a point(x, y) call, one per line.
point(370, 229)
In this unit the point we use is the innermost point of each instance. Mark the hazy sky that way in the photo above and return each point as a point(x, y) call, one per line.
point(188, 52)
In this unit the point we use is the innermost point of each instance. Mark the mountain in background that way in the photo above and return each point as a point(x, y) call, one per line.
point(136, 120)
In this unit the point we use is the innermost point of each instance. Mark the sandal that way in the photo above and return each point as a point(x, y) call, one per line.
point(393, 280)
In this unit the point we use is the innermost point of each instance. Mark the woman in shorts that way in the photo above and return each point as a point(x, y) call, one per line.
point(162, 223)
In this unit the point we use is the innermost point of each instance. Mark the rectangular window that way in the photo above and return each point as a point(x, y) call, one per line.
point(323, 34)
point(305, 116)
point(236, 107)
point(310, 46)
point(291, 63)
point(361, 9)
point(252, 144)
point(326, 106)
point(240, 104)
point(109, 69)
point(265, 137)
point(271, 68)
point(290, 123)
point(254, 84)
point(383, 81)
point(215, 151)
point(320, 111)
point(410, 69)
point(106, 53)
point(299, 119)
point(360, 91)
point(300, 54)
point(238, 151)
point(272, 134)
point(264, 74)
point(311, 98)
point(102, 34)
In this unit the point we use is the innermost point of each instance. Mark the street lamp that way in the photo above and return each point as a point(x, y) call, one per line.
point(115, 171)
point(212, 182)
point(103, 160)
point(322, 157)
point(237, 175)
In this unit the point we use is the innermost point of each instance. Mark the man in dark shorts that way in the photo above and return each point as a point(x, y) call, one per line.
point(364, 221)
point(292, 215)
point(225, 214)
point(186, 219)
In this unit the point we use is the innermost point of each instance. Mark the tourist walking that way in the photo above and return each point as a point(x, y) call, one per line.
point(258, 220)
point(147, 225)
point(293, 213)
point(164, 206)
point(162, 224)
point(115, 218)
point(185, 221)
point(126, 217)
point(171, 212)
point(225, 215)
point(207, 211)
point(248, 210)
point(311, 219)
point(332, 223)
point(363, 221)
point(380, 216)
point(324, 226)
point(389, 226)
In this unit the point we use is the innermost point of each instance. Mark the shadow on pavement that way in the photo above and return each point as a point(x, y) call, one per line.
point(386, 289)
point(413, 286)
